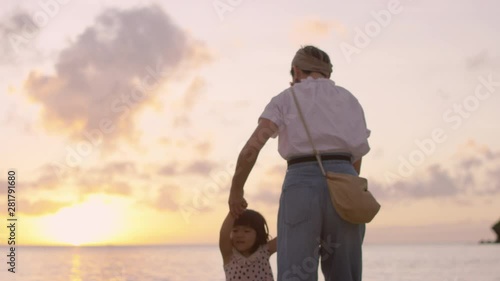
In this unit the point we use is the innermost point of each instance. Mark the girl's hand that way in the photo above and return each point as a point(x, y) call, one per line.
point(237, 204)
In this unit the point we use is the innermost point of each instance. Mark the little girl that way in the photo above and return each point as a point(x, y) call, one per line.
point(245, 247)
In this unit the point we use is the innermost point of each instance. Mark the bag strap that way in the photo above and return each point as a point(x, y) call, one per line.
point(318, 156)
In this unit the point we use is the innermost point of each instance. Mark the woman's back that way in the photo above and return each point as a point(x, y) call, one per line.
point(334, 117)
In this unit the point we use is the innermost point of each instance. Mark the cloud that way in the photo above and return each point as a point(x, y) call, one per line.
point(114, 177)
point(90, 185)
point(110, 73)
point(13, 118)
point(46, 179)
point(459, 181)
point(312, 30)
point(168, 169)
point(439, 183)
point(478, 61)
point(167, 198)
point(269, 189)
point(3, 190)
point(193, 93)
point(204, 148)
point(218, 110)
point(269, 196)
point(494, 186)
point(475, 173)
point(490, 155)
point(470, 231)
point(200, 167)
point(277, 171)
point(121, 168)
point(17, 31)
point(41, 207)
point(187, 103)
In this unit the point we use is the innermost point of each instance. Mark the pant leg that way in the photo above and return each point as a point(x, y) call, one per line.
point(299, 225)
point(341, 251)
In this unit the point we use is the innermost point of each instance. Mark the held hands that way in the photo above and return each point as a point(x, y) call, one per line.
point(237, 204)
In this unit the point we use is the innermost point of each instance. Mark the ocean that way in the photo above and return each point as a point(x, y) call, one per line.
point(436, 262)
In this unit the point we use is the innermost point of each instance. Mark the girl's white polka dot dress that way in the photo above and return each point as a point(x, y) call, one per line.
point(253, 268)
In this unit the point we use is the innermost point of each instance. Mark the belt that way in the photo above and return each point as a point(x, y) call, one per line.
point(313, 158)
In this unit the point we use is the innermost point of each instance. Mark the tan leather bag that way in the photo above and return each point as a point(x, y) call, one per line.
point(349, 194)
point(351, 198)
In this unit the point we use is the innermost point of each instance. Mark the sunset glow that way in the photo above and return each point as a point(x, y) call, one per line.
point(95, 221)
point(124, 119)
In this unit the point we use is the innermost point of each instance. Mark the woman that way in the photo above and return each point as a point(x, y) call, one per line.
point(308, 225)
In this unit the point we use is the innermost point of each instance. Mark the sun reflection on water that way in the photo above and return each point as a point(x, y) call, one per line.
point(76, 274)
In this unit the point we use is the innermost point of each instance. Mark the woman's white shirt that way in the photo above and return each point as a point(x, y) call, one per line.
point(333, 115)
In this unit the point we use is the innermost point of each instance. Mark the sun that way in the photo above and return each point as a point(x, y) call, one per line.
point(95, 221)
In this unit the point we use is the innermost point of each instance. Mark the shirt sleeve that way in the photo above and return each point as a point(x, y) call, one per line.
point(361, 145)
point(273, 112)
point(265, 250)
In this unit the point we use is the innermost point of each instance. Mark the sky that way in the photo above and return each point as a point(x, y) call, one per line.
point(123, 120)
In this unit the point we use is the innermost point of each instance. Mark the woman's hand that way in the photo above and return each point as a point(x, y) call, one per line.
point(237, 204)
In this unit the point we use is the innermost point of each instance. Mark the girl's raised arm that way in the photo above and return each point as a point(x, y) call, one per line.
point(225, 245)
point(271, 245)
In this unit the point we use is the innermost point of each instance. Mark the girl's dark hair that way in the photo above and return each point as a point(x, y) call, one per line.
point(258, 223)
point(314, 52)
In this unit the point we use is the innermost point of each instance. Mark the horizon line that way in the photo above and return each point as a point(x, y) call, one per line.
point(480, 242)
